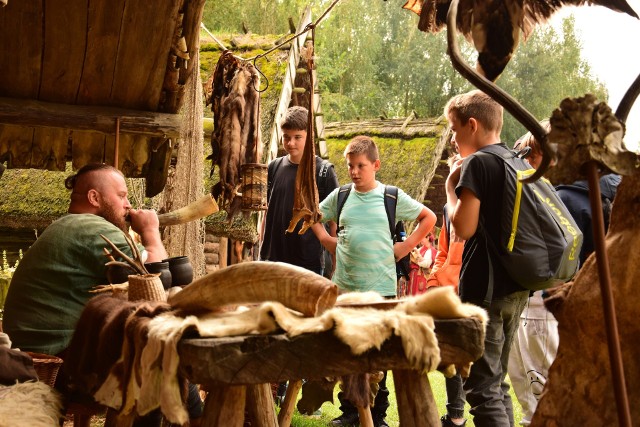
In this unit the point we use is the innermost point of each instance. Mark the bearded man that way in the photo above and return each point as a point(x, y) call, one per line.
point(51, 285)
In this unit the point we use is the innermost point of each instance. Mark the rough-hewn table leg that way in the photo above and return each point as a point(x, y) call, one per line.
point(286, 409)
point(416, 405)
point(260, 405)
point(224, 406)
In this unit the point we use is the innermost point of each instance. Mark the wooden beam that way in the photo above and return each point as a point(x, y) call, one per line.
point(257, 359)
point(23, 112)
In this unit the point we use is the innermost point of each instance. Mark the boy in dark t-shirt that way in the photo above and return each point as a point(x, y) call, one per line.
point(474, 200)
point(303, 250)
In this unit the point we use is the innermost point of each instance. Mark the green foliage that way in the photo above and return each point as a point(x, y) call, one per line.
point(546, 69)
point(257, 16)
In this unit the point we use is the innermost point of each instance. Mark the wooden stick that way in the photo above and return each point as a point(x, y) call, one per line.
point(286, 409)
point(608, 303)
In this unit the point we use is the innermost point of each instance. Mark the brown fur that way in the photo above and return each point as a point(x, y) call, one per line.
point(579, 388)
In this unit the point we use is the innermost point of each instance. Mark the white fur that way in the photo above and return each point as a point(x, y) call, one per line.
point(30, 404)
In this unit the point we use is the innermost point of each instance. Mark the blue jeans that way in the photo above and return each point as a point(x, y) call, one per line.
point(455, 396)
point(486, 389)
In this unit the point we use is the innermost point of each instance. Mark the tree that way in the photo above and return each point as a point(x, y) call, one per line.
point(372, 60)
point(546, 69)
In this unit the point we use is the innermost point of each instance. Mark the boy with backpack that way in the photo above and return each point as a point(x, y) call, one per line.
point(475, 201)
point(365, 251)
point(303, 250)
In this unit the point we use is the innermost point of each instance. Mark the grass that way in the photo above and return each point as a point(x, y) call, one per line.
point(331, 411)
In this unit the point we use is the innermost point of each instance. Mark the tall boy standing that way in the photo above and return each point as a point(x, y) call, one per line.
point(474, 197)
point(303, 250)
point(364, 248)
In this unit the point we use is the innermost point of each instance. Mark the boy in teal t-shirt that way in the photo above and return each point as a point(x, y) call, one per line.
point(365, 251)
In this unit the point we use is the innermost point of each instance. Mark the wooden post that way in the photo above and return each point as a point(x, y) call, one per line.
point(224, 406)
point(416, 405)
point(260, 406)
point(223, 252)
point(286, 409)
point(116, 149)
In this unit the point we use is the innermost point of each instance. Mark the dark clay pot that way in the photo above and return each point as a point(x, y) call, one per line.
point(181, 270)
point(161, 267)
point(119, 274)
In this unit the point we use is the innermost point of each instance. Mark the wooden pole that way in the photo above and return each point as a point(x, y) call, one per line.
point(286, 410)
point(608, 303)
point(117, 144)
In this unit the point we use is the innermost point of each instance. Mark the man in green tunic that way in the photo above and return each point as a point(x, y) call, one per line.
point(51, 285)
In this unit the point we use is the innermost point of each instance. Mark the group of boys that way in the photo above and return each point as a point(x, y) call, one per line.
point(365, 252)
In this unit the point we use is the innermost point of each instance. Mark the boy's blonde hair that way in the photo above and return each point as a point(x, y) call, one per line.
point(528, 140)
point(478, 105)
point(296, 118)
point(362, 145)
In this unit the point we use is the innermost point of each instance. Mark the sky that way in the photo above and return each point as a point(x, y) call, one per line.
point(609, 45)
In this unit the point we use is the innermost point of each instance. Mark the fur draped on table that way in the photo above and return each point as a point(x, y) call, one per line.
point(155, 383)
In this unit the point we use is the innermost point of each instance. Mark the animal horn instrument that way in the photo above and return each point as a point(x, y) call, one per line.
point(204, 206)
point(258, 281)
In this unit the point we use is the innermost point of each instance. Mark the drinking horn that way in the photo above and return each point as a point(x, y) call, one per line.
point(255, 282)
point(204, 206)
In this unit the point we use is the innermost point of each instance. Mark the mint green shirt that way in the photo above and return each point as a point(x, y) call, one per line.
point(51, 285)
point(364, 255)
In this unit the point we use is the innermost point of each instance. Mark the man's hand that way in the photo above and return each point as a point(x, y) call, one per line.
point(145, 223)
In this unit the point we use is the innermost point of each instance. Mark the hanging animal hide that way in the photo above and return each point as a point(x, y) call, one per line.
point(236, 137)
point(306, 199)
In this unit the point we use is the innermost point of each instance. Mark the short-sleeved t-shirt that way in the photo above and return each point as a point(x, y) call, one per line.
point(50, 287)
point(484, 175)
point(303, 250)
point(364, 255)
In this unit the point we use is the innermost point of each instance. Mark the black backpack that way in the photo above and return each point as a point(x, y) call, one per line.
point(541, 242)
point(396, 229)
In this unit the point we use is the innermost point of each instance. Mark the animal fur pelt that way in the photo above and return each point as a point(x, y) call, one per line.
point(236, 138)
point(361, 329)
point(579, 389)
point(306, 199)
point(30, 404)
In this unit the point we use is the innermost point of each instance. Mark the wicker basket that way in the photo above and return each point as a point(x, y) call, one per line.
point(46, 367)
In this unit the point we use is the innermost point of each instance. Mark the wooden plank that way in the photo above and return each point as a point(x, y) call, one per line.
point(104, 22)
point(276, 358)
point(140, 66)
point(15, 146)
point(21, 53)
point(65, 26)
point(89, 118)
point(49, 149)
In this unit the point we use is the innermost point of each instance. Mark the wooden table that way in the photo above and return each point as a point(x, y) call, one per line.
point(239, 369)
